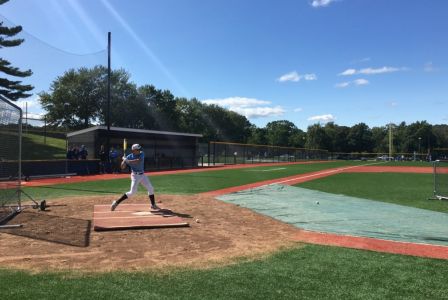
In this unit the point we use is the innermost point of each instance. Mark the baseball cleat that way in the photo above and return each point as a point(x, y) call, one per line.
point(155, 207)
point(113, 206)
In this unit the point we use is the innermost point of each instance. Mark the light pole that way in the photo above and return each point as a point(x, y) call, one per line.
point(66, 105)
point(419, 145)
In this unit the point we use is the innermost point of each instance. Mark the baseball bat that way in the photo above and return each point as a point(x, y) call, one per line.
point(125, 145)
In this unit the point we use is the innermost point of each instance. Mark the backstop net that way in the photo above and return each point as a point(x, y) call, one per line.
point(10, 159)
point(441, 179)
point(235, 153)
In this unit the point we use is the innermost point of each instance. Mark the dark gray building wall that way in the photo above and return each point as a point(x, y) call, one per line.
point(163, 150)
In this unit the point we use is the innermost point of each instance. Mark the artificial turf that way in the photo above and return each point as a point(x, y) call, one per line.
point(186, 183)
point(306, 272)
point(399, 188)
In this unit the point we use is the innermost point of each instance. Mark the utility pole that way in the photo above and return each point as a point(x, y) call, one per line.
point(108, 93)
point(391, 145)
point(419, 145)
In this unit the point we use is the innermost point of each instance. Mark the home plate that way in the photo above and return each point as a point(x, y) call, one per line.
point(128, 216)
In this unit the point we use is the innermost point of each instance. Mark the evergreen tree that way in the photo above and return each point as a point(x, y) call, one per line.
point(12, 89)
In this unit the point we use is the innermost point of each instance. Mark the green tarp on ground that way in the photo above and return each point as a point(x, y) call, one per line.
point(325, 212)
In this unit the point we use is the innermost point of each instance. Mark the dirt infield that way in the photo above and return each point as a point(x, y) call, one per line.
point(223, 233)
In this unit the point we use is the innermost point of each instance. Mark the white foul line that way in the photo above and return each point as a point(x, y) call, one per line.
point(321, 173)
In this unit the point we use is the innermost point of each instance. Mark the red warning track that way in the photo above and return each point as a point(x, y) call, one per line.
point(392, 169)
point(364, 243)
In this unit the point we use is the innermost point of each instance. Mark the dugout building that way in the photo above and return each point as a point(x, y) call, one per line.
point(163, 149)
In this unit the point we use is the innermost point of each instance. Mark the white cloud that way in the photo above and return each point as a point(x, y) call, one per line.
point(360, 81)
point(34, 116)
point(298, 109)
point(429, 67)
point(321, 3)
point(348, 72)
point(258, 112)
point(342, 84)
point(310, 77)
point(393, 103)
point(371, 71)
point(357, 82)
point(323, 118)
point(30, 103)
point(236, 102)
point(249, 107)
point(292, 76)
point(295, 77)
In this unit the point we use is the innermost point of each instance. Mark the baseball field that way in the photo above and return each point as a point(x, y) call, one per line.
point(231, 250)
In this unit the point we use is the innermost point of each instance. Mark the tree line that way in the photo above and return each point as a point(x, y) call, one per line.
point(77, 100)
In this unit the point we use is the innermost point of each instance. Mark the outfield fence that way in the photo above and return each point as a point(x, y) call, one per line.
point(225, 153)
point(379, 156)
point(440, 154)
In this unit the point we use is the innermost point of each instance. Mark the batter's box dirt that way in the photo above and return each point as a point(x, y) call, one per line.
point(42, 226)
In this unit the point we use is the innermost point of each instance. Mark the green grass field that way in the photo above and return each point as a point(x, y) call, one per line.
point(310, 272)
point(305, 272)
point(187, 183)
point(399, 188)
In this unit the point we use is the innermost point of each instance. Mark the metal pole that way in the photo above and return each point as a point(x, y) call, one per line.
point(66, 149)
point(390, 142)
point(26, 116)
point(20, 161)
point(45, 130)
point(434, 171)
point(208, 155)
point(108, 92)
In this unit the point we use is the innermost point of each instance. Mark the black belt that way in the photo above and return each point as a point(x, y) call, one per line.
point(140, 173)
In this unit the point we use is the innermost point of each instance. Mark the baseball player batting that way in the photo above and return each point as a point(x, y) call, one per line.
point(136, 161)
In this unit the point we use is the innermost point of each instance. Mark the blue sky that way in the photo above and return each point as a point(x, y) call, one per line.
point(306, 61)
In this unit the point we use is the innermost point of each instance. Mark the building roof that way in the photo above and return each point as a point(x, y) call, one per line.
point(121, 129)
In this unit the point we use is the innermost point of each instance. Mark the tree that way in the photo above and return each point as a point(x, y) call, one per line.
point(297, 138)
point(74, 99)
point(77, 99)
point(191, 118)
point(380, 139)
point(336, 137)
point(441, 135)
point(278, 133)
point(257, 136)
point(162, 107)
point(360, 138)
point(316, 137)
point(12, 89)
